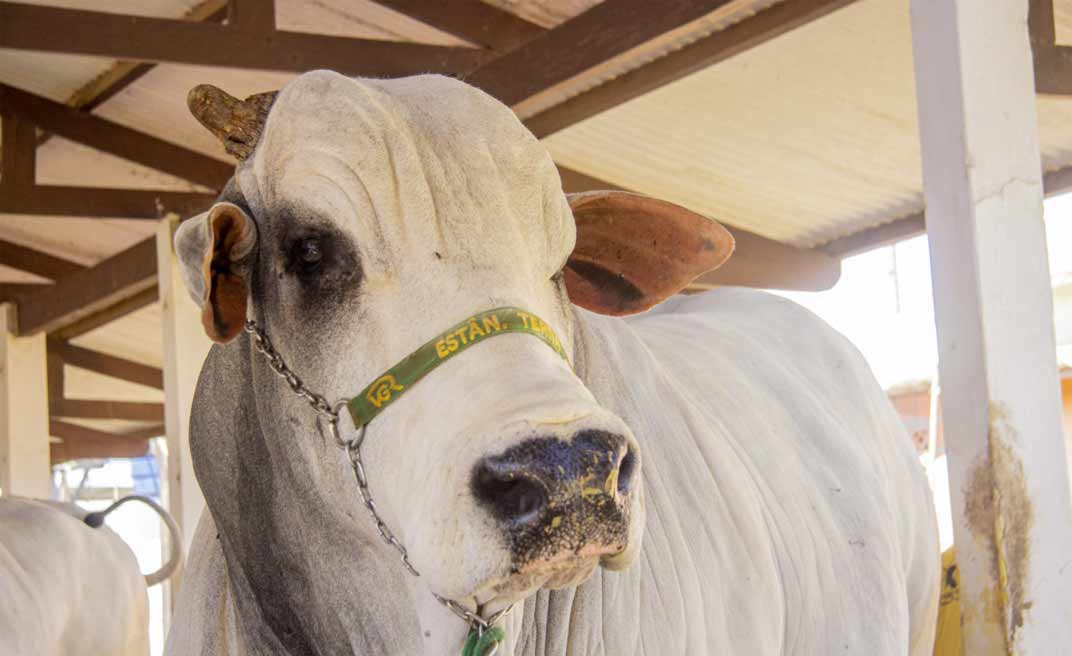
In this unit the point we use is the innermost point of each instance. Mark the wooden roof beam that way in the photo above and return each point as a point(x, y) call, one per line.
point(113, 138)
point(34, 261)
point(718, 46)
point(17, 291)
point(84, 442)
point(473, 20)
point(913, 225)
point(144, 38)
point(124, 73)
point(128, 274)
point(1040, 22)
point(594, 36)
point(1053, 69)
point(756, 261)
point(1053, 63)
point(99, 202)
point(252, 15)
point(106, 364)
point(101, 317)
point(99, 409)
point(18, 160)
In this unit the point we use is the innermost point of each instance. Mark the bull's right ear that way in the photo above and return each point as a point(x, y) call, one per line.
point(216, 250)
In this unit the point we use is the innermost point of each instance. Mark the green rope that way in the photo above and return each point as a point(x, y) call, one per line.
point(479, 645)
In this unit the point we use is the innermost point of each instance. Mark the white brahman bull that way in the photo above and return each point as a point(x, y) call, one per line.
point(69, 585)
point(781, 507)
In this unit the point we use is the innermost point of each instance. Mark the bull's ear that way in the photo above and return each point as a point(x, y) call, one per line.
point(215, 250)
point(633, 251)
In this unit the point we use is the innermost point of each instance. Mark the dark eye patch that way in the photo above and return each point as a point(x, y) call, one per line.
point(322, 261)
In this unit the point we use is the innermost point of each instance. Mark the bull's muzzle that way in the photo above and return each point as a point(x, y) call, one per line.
point(561, 499)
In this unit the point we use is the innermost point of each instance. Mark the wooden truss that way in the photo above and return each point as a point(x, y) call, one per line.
point(509, 57)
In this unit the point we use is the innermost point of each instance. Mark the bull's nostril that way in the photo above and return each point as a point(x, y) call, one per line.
point(512, 496)
point(626, 469)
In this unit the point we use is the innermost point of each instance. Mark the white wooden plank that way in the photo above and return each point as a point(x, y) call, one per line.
point(993, 307)
point(24, 463)
point(185, 348)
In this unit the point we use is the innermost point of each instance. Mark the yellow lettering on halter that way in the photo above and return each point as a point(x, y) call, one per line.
point(380, 391)
point(491, 324)
point(474, 330)
point(452, 344)
point(441, 349)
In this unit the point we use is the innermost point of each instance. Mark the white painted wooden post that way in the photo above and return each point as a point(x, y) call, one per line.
point(994, 313)
point(185, 348)
point(25, 468)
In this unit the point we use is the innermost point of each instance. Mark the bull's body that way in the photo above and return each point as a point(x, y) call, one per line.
point(786, 513)
point(67, 588)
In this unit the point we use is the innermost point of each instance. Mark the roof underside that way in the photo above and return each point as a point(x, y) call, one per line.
point(804, 139)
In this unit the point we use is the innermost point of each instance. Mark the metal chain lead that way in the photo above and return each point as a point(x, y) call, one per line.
point(263, 344)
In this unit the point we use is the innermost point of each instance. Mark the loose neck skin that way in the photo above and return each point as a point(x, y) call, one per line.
point(271, 523)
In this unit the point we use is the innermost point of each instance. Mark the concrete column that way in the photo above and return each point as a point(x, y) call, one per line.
point(25, 469)
point(994, 313)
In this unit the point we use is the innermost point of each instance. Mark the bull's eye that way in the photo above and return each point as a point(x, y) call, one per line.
point(309, 253)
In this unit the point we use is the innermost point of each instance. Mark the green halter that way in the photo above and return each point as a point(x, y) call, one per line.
point(398, 379)
point(394, 382)
point(483, 638)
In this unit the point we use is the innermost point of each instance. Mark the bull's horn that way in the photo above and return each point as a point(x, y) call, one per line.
point(237, 123)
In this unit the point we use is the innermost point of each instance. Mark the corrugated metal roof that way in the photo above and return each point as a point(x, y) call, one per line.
point(805, 139)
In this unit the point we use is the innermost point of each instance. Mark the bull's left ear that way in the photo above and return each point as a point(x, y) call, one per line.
point(633, 251)
point(215, 250)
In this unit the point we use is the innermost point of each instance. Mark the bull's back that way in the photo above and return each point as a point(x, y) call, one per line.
point(66, 588)
point(810, 516)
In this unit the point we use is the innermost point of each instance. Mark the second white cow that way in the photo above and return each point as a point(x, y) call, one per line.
point(69, 585)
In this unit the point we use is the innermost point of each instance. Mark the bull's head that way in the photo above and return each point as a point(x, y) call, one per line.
point(366, 217)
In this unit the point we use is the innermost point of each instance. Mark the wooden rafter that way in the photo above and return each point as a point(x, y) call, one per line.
point(707, 51)
point(100, 409)
point(92, 290)
point(473, 20)
point(33, 261)
point(913, 225)
point(254, 16)
point(124, 73)
point(83, 442)
point(876, 236)
point(1040, 22)
point(113, 138)
point(18, 292)
point(57, 378)
point(1053, 63)
point(98, 202)
point(106, 364)
point(18, 161)
point(1053, 70)
point(589, 39)
point(143, 38)
point(109, 313)
point(756, 262)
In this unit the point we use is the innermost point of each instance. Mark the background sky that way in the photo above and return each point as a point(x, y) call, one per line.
point(883, 302)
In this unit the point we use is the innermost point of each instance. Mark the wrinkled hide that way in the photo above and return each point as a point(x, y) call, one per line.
point(294, 587)
point(806, 528)
point(780, 505)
